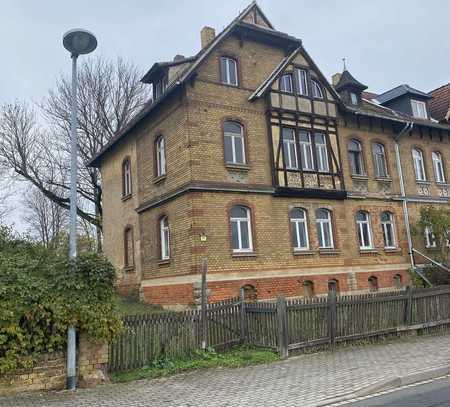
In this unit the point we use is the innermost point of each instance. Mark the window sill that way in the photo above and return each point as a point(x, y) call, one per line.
point(129, 269)
point(164, 262)
point(418, 181)
point(384, 179)
point(368, 251)
point(442, 184)
point(230, 85)
point(243, 254)
point(159, 179)
point(360, 177)
point(329, 252)
point(239, 167)
point(303, 252)
point(126, 197)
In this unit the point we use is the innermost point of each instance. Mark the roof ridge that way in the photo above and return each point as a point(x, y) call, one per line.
point(440, 87)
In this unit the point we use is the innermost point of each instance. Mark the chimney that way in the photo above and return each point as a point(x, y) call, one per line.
point(335, 78)
point(207, 34)
point(178, 58)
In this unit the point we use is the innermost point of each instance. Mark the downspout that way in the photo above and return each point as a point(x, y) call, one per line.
point(397, 137)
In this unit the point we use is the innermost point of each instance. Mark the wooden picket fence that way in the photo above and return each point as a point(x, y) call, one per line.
point(283, 325)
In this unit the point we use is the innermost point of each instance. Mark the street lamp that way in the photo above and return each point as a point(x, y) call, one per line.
point(77, 42)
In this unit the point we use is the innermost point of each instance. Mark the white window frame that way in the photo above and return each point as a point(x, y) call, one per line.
point(321, 153)
point(289, 146)
point(164, 231)
point(306, 150)
point(380, 159)
point(127, 187)
point(239, 221)
point(430, 238)
point(288, 77)
point(353, 98)
point(302, 82)
point(419, 165)
point(385, 224)
point(160, 156)
point(297, 222)
point(419, 109)
point(361, 224)
point(438, 166)
point(316, 89)
point(358, 155)
point(234, 139)
point(321, 224)
point(230, 63)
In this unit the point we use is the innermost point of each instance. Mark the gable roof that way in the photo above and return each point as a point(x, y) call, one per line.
point(348, 81)
point(400, 91)
point(439, 105)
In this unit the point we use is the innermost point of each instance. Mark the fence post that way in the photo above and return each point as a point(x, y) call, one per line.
point(408, 305)
point(204, 304)
point(243, 316)
point(332, 316)
point(283, 340)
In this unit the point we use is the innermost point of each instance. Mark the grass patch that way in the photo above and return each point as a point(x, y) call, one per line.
point(237, 357)
point(131, 306)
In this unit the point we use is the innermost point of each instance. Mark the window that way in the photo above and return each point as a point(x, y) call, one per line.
point(397, 280)
point(306, 151)
point(159, 87)
point(388, 228)
point(241, 232)
point(286, 84)
point(128, 244)
point(355, 157)
point(316, 89)
point(419, 167)
point(333, 285)
point(126, 178)
point(289, 149)
point(160, 156)
point(321, 152)
point(324, 228)
point(228, 71)
point(364, 230)
point(308, 289)
point(164, 238)
point(438, 166)
point(430, 237)
point(419, 109)
point(302, 82)
point(373, 283)
point(379, 158)
point(249, 292)
point(234, 143)
point(353, 98)
point(299, 229)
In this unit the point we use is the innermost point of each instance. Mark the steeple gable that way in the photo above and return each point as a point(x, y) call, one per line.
point(349, 88)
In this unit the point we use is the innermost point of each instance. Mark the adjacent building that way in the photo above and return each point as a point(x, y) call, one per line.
point(247, 156)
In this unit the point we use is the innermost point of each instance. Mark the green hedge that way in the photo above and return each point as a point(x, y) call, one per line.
point(41, 294)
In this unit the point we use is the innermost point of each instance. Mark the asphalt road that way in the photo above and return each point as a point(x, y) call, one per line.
point(434, 394)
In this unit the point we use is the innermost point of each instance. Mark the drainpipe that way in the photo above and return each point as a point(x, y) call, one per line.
point(397, 138)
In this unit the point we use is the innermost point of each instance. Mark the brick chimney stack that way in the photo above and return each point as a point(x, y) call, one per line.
point(207, 34)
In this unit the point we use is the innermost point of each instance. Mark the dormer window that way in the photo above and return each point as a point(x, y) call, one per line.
point(353, 98)
point(419, 109)
point(228, 71)
point(316, 89)
point(159, 87)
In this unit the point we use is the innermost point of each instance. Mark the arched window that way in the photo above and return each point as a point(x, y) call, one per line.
point(438, 166)
point(286, 84)
point(306, 150)
point(419, 167)
point(316, 89)
point(397, 280)
point(308, 289)
point(299, 227)
point(128, 244)
point(160, 149)
point(321, 152)
point(289, 148)
point(241, 230)
point(126, 178)
point(324, 228)
point(364, 230)
point(373, 283)
point(333, 285)
point(228, 71)
point(250, 293)
point(164, 238)
point(379, 159)
point(233, 134)
point(388, 227)
point(355, 157)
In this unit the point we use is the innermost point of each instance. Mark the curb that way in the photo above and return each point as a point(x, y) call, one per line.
point(385, 384)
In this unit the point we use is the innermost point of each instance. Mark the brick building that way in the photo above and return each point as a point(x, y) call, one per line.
point(287, 184)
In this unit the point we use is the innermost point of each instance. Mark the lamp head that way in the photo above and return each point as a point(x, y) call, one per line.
point(79, 41)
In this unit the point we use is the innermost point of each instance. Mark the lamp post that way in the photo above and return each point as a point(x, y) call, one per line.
point(77, 42)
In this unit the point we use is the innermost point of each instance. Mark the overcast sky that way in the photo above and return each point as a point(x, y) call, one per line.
point(385, 42)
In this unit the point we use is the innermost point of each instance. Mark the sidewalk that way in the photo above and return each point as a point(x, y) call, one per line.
point(304, 380)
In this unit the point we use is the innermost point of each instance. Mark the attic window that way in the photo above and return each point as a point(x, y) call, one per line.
point(316, 89)
point(159, 87)
point(286, 83)
point(419, 109)
point(353, 98)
